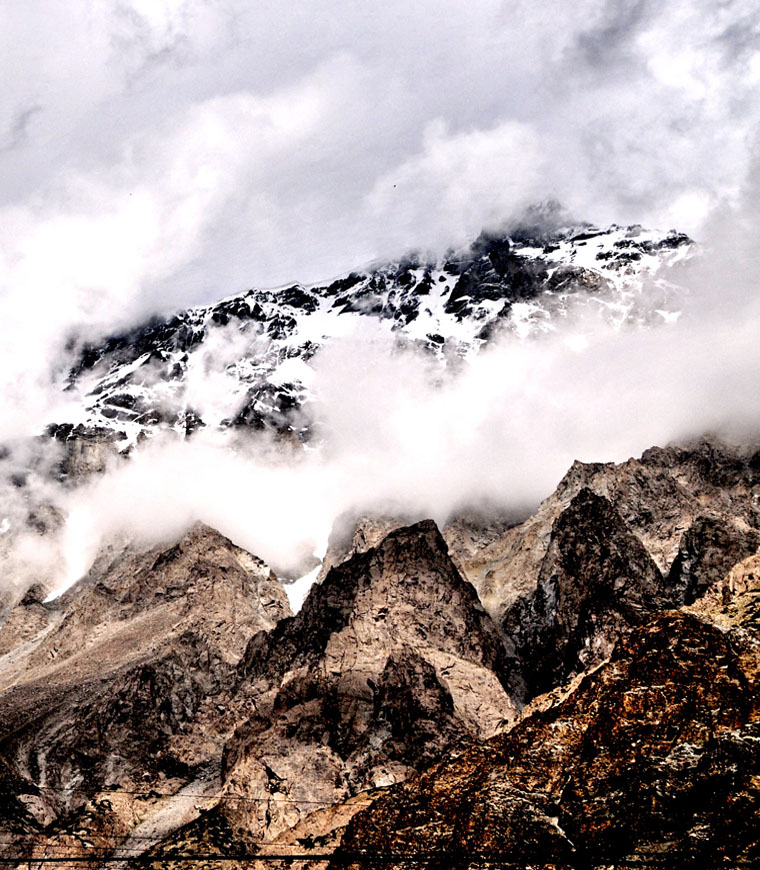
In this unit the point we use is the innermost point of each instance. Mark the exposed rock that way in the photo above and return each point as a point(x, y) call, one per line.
point(595, 581)
point(655, 756)
point(612, 545)
point(708, 549)
point(466, 535)
point(390, 663)
point(119, 680)
point(692, 511)
point(85, 450)
point(166, 702)
point(658, 496)
point(351, 535)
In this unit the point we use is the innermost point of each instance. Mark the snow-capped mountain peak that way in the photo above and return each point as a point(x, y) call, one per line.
point(244, 361)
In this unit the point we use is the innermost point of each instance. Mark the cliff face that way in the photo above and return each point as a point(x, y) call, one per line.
point(113, 685)
point(595, 581)
point(614, 544)
point(654, 755)
point(170, 703)
point(611, 546)
point(391, 662)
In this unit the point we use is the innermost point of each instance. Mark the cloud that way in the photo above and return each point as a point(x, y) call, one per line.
point(467, 180)
point(187, 150)
point(18, 132)
point(399, 434)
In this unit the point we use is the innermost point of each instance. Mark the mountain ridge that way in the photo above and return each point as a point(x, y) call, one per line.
point(255, 347)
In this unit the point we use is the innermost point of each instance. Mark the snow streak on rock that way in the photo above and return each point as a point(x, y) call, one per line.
point(245, 361)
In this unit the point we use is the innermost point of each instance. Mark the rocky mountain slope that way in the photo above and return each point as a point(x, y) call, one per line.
point(169, 703)
point(651, 758)
point(390, 663)
point(612, 545)
point(245, 361)
point(113, 688)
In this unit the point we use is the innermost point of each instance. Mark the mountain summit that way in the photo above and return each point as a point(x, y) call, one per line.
point(244, 361)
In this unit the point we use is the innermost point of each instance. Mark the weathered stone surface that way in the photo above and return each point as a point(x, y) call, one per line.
point(708, 550)
point(655, 756)
point(682, 517)
point(117, 682)
point(173, 674)
point(595, 581)
point(390, 663)
point(659, 497)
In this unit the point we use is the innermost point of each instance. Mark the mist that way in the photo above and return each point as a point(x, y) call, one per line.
point(400, 434)
point(155, 157)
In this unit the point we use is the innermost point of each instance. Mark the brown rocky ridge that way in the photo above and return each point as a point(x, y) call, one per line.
point(169, 704)
point(111, 688)
point(390, 663)
point(651, 759)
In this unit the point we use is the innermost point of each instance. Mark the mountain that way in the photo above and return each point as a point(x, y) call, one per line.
point(168, 703)
point(650, 759)
point(613, 544)
point(115, 687)
point(245, 361)
point(390, 663)
point(577, 686)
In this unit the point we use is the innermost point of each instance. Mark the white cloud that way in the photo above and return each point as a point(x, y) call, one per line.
point(461, 180)
point(158, 154)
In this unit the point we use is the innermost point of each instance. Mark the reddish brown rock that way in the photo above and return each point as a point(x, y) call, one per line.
point(655, 756)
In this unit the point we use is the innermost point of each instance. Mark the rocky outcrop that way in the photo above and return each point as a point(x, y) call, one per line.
point(120, 682)
point(85, 451)
point(658, 529)
point(595, 581)
point(708, 550)
point(167, 702)
point(612, 545)
point(391, 663)
point(651, 758)
point(466, 535)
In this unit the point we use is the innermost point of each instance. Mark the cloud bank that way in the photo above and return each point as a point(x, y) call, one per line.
point(158, 155)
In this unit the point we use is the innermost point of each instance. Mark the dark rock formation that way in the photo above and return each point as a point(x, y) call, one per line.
point(711, 546)
point(613, 544)
point(391, 662)
point(595, 581)
point(652, 758)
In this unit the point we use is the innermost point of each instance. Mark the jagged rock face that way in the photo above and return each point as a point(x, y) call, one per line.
point(653, 756)
point(257, 345)
point(659, 496)
point(466, 534)
point(391, 662)
point(351, 535)
point(708, 549)
point(177, 673)
point(117, 681)
point(85, 450)
point(596, 581)
point(612, 545)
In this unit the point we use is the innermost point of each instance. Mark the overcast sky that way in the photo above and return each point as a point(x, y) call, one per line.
point(156, 153)
point(187, 148)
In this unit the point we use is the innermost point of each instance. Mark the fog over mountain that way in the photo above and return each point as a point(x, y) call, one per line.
point(159, 156)
point(380, 433)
